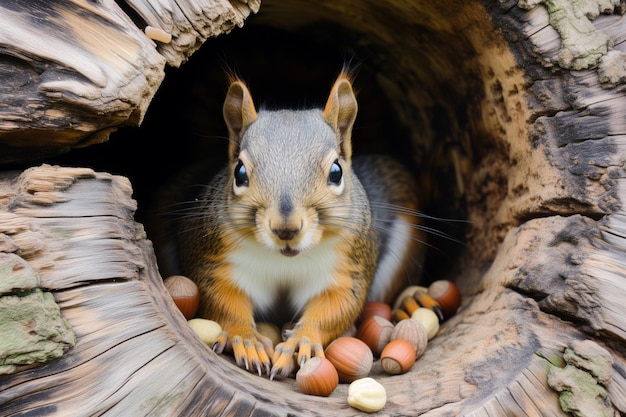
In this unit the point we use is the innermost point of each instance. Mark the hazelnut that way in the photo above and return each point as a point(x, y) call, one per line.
point(375, 308)
point(185, 294)
point(376, 333)
point(414, 332)
point(429, 319)
point(351, 357)
point(447, 295)
point(366, 394)
point(317, 376)
point(397, 357)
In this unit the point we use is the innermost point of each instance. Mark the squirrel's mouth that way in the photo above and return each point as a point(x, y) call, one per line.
point(287, 251)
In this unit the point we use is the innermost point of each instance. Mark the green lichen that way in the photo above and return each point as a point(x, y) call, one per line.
point(582, 383)
point(582, 45)
point(16, 274)
point(32, 330)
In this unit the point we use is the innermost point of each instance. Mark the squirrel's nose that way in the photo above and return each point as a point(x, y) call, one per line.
point(286, 234)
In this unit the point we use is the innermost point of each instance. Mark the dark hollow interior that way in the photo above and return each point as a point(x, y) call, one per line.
point(418, 93)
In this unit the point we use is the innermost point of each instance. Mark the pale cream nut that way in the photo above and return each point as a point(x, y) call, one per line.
point(366, 394)
point(429, 319)
point(207, 330)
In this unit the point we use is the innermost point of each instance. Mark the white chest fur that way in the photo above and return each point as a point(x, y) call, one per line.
point(263, 274)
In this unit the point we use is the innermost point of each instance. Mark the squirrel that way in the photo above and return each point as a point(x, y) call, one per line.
point(294, 227)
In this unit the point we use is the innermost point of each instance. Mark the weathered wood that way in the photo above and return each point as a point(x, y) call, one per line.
point(126, 326)
point(538, 167)
point(73, 72)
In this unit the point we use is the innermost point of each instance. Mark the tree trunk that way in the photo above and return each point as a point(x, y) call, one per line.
point(513, 118)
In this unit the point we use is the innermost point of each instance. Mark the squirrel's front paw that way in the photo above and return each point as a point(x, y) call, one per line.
point(251, 350)
point(283, 355)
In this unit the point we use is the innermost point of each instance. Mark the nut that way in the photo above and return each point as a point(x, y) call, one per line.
point(447, 295)
point(429, 319)
point(375, 308)
point(351, 357)
point(397, 357)
point(207, 330)
point(317, 376)
point(271, 331)
point(376, 333)
point(367, 395)
point(185, 294)
point(414, 332)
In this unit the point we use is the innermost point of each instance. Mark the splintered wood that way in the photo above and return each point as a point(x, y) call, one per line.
point(75, 71)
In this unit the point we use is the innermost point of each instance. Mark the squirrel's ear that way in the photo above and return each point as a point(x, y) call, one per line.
point(340, 112)
point(239, 113)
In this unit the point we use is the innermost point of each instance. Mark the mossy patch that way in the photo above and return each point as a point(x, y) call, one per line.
point(582, 382)
point(32, 330)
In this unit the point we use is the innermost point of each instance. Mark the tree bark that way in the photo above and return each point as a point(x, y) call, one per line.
point(73, 72)
point(536, 162)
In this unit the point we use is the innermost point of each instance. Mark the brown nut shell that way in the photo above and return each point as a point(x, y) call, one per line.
point(414, 332)
point(185, 294)
point(447, 295)
point(351, 357)
point(317, 376)
point(397, 357)
point(375, 308)
point(376, 333)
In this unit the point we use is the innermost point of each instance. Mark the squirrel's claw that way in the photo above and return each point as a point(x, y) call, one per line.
point(282, 360)
point(251, 353)
point(220, 343)
point(283, 355)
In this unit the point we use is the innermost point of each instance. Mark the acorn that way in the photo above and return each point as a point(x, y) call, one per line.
point(375, 331)
point(447, 295)
point(185, 294)
point(397, 357)
point(317, 376)
point(375, 308)
point(414, 332)
point(351, 357)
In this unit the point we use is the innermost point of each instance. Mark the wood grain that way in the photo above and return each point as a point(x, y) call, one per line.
point(538, 166)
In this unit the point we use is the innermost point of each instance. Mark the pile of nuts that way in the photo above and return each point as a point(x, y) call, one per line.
point(398, 336)
point(417, 314)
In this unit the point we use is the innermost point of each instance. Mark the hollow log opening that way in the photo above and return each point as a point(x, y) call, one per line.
point(436, 87)
point(442, 86)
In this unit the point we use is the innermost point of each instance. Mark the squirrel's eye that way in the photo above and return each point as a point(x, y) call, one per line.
point(334, 177)
point(241, 175)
